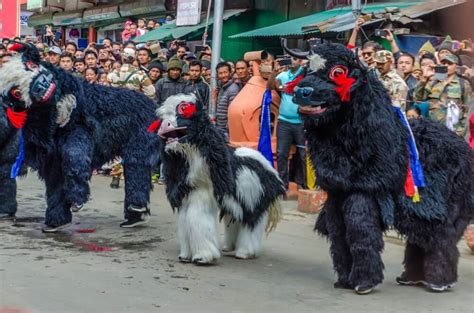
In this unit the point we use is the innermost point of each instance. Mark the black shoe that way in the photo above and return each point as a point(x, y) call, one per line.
point(115, 184)
point(363, 290)
point(339, 285)
point(7, 216)
point(54, 229)
point(136, 221)
point(77, 207)
point(404, 281)
point(138, 209)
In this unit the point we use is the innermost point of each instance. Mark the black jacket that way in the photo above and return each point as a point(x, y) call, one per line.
point(201, 89)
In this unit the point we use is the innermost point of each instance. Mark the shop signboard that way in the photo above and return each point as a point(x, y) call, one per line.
point(101, 13)
point(188, 12)
point(34, 4)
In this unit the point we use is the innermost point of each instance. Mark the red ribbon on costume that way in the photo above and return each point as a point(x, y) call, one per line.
point(17, 119)
point(409, 183)
point(154, 126)
point(291, 85)
point(16, 47)
point(344, 84)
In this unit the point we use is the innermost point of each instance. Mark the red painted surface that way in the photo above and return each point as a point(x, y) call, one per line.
point(9, 18)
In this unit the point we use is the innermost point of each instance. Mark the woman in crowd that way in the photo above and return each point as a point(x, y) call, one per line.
point(91, 74)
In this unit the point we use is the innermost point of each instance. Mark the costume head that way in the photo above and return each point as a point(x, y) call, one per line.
point(334, 73)
point(26, 82)
point(177, 121)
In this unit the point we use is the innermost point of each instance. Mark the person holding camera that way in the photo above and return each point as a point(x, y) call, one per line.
point(448, 95)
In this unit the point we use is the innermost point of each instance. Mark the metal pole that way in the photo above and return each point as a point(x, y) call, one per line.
point(216, 49)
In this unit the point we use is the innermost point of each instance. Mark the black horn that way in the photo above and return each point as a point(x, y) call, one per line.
point(298, 55)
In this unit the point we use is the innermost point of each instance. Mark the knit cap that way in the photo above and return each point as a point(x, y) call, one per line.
point(175, 63)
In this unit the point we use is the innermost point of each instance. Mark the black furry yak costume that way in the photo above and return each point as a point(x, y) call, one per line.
point(73, 127)
point(204, 174)
point(359, 149)
point(9, 141)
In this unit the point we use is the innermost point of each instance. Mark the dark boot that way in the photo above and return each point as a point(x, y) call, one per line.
point(115, 184)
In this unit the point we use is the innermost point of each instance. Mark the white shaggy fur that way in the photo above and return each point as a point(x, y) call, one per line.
point(316, 62)
point(197, 228)
point(249, 187)
point(249, 241)
point(197, 220)
point(254, 154)
point(64, 107)
point(13, 73)
point(233, 206)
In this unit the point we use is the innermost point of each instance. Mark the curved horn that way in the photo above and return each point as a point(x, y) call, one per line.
point(298, 55)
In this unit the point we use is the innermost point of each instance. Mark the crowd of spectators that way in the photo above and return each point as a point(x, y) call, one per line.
point(159, 71)
point(435, 83)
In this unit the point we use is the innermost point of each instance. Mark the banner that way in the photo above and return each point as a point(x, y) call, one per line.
point(9, 18)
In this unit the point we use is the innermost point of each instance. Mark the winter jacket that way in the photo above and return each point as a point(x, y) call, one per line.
point(201, 89)
point(226, 94)
point(166, 87)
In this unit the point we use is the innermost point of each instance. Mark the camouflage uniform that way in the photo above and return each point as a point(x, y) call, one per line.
point(438, 94)
point(396, 87)
point(132, 78)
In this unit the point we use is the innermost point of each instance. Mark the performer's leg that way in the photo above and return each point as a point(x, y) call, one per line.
point(249, 240)
point(441, 264)
point(364, 237)
point(185, 254)
point(231, 231)
point(201, 224)
point(8, 204)
point(137, 193)
point(331, 222)
point(76, 157)
point(58, 212)
point(413, 263)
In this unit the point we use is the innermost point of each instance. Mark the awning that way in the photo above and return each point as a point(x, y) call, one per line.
point(405, 15)
point(142, 7)
point(68, 18)
point(430, 7)
point(294, 27)
point(41, 19)
point(101, 13)
point(171, 31)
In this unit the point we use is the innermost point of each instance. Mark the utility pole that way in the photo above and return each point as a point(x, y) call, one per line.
point(216, 49)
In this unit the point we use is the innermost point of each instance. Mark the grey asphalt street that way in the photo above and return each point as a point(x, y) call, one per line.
point(97, 267)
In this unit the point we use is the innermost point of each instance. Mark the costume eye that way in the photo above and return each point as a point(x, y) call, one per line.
point(31, 66)
point(16, 93)
point(186, 109)
point(337, 71)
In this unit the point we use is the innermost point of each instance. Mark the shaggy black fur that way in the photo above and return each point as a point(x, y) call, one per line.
point(359, 150)
point(9, 143)
point(224, 165)
point(105, 123)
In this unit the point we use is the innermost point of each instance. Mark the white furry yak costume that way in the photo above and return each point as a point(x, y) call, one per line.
point(204, 175)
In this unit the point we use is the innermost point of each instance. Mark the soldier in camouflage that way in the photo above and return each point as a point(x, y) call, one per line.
point(394, 83)
point(446, 96)
point(130, 77)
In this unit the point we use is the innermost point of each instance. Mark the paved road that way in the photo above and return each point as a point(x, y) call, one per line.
point(117, 270)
